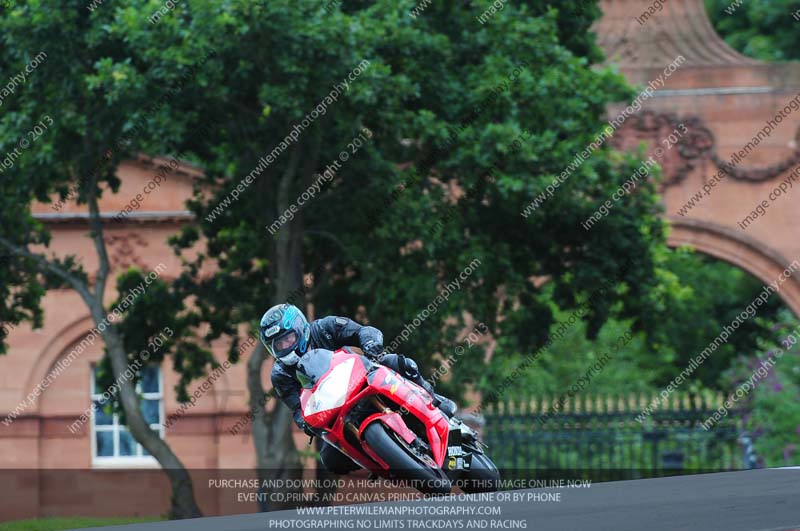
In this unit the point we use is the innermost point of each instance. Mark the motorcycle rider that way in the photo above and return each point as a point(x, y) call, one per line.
point(287, 335)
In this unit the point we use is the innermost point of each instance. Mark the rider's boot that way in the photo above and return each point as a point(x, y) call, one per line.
point(445, 405)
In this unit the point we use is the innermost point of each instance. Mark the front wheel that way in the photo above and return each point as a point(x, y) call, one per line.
point(403, 463)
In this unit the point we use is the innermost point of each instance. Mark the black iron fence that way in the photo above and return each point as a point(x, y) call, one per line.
point(609, 437)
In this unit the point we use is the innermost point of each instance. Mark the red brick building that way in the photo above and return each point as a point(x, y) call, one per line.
point(46, 382)
point(722, 98)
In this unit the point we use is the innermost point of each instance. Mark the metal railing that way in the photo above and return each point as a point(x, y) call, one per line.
point(600, 437)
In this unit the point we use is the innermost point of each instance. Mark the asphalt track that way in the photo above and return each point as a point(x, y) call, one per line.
point(758, 500)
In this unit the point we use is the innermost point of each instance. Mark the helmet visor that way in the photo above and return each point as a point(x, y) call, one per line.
point(283, 344)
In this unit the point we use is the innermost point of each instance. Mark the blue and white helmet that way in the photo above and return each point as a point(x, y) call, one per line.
point(284, 332)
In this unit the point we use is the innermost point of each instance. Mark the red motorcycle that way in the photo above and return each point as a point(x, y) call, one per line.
point(388, 424)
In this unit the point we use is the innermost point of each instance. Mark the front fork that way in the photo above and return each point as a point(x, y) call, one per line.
point(389, 417)
point(462, 444)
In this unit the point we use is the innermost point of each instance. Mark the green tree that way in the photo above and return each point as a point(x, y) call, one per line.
point(697, 297)
point(708, 295)
point(769, 384)
point(438, 104)
point(91, 102)
point(448, 104)
point(763, 29)
point(616, 362)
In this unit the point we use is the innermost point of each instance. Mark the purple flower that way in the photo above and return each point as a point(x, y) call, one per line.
point(777, 386)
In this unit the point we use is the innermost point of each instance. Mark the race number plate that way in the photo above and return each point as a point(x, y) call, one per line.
point(458, 460)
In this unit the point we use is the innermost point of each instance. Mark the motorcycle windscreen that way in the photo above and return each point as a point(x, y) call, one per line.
point(313, 366)
point(332, 391)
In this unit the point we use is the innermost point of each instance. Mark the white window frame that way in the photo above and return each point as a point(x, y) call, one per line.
point(126, 461)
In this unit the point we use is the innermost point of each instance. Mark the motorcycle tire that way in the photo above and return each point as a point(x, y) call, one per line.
point(482, 476)
point(403, 465)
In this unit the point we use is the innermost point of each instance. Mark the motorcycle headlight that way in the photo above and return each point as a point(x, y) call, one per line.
point(332, 390)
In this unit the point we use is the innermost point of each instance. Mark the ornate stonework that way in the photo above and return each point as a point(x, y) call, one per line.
point(123, 250)
point(693, 147)
point(759, 174)
point(715, 174)
point(653, 128)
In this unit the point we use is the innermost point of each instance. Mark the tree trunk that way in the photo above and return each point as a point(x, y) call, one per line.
point(183, 501)
point(183, 504)
point(276, 455)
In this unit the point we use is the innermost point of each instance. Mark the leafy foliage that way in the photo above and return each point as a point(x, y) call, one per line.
point(763, 29)
point(157, 325)
point(615, 362)
point(774, 403)
point(696, 297)
point(450, 105)
point(714, 294)
point(98, 97)
point(445, 100)
point(461, 125)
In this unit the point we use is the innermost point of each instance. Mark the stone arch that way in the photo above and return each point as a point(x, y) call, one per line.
point(739, 250)
point(214, 399)
point(57, 347)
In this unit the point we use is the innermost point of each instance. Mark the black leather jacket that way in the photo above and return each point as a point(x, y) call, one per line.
point(330, 333)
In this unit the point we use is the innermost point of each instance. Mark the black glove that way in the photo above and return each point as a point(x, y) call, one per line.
point(301, 423)
point(373, 349)
point(306, 428)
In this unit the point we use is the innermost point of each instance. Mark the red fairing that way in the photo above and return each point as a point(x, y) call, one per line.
point(392, 420)
point(345, 384)
point(417, 402)
point(357, 375)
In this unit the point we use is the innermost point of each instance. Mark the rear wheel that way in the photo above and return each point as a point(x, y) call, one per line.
point(482, 476)
point(406, 464)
